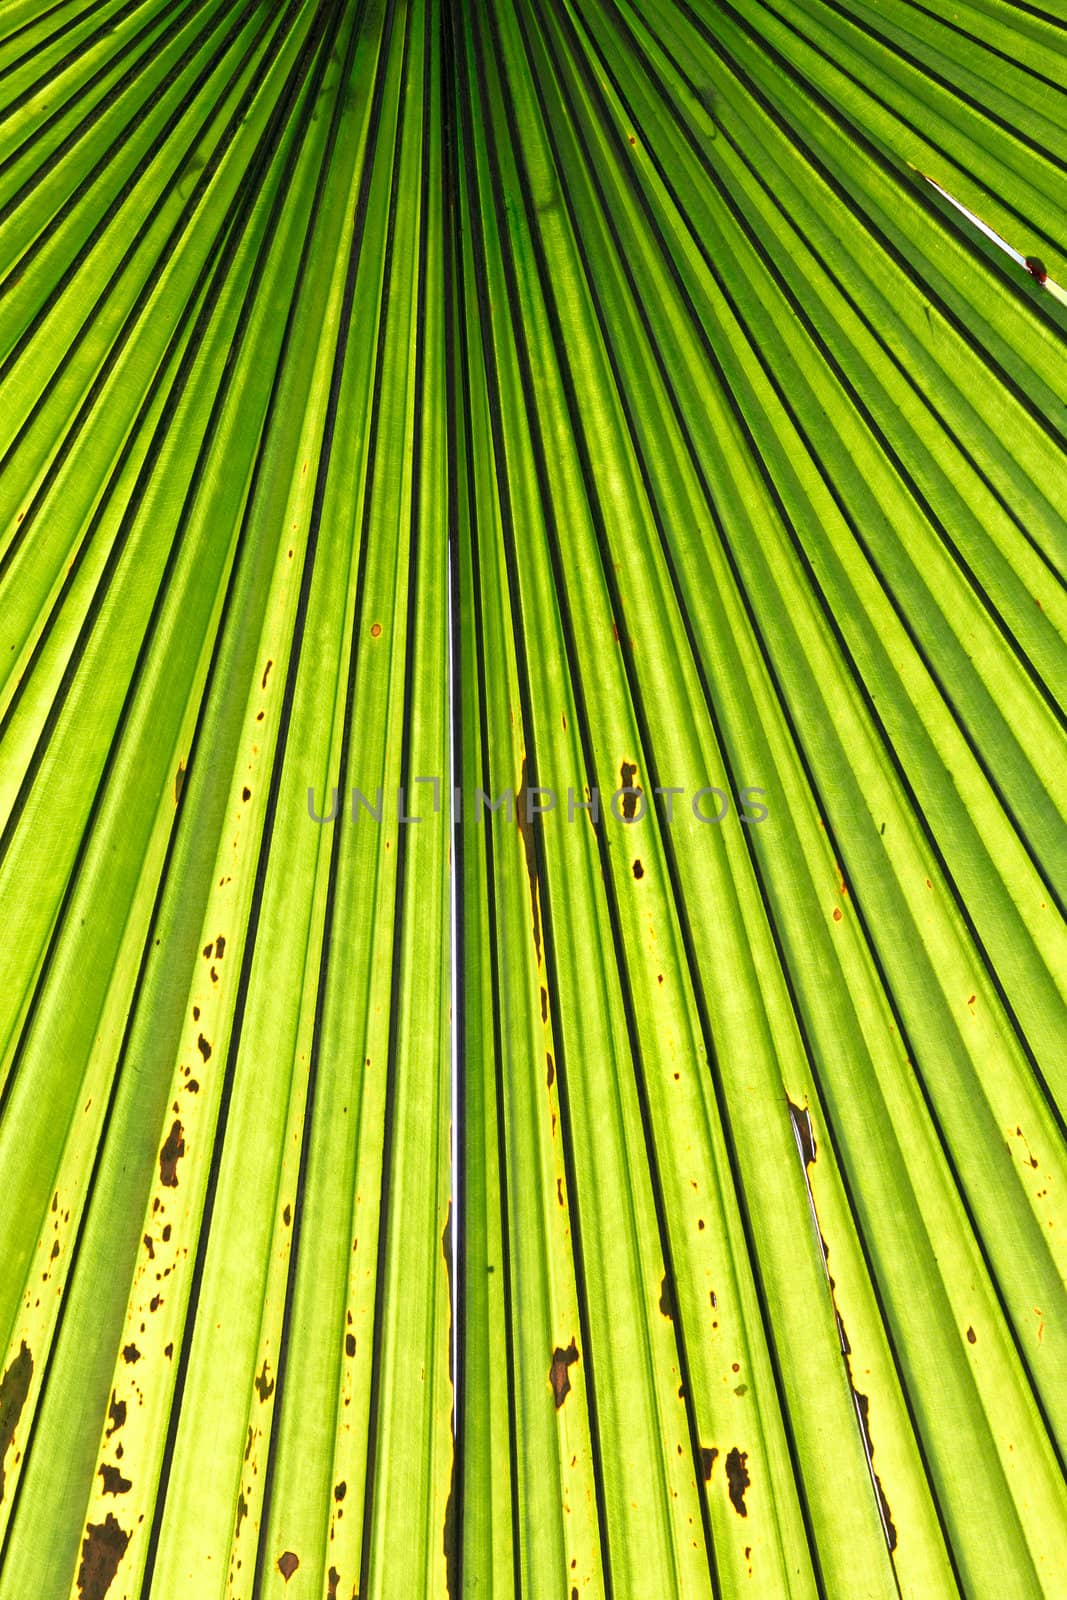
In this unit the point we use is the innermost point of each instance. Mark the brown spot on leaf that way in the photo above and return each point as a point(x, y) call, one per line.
point(350, 1344)
point(14, 1387)
point(544, 1004)
point(264, 1384)
point(287, 1216)
point(220, 948)
point(639, 870)
point(551, 1073)
point(266, 675)
point(242, 1505)
point(287, 1564)
point(559, 1372)
point(114, 1482)
point(375, 630)
point(971, 1336)
point(628, 772)
point(179, 781)
point(707, 1460)
point(171, 1153)
point(103, 1548)
point(117, 1412)
point(333, 1578)
point(130, 1354)
point(737, 1479)
point(665, 1299)
point(340, 1490)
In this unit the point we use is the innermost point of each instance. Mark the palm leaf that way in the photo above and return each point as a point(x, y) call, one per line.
point(589, 403)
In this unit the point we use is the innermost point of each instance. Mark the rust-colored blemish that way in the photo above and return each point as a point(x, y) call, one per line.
point(551, 1068)
point(639, 870)
point(287, 1564)
point(544, 1004)
point(628, 772)
point(971, 1336)
point(375, 630)
point(171, 1153)
point(103, 1548)
point(220, 947)
point(737, 1479)
point(114, 1482)
point(333, 1578)
point(264, 1383)
point(559, 1372)
point(665, 1307)
point(340, 1490)
point(14, 1387)
point(350, 1344)
point(130, 1354)
point(117, 1414)
point(204, 1047)
point(266, 675)
point(707, 1460)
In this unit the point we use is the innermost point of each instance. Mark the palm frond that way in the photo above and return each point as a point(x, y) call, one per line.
point(567, 424)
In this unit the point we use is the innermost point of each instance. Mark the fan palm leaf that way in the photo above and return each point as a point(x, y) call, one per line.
point(531, 544)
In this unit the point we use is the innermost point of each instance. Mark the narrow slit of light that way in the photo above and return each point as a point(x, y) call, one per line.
point(453, 1029)
point(1029, 264)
